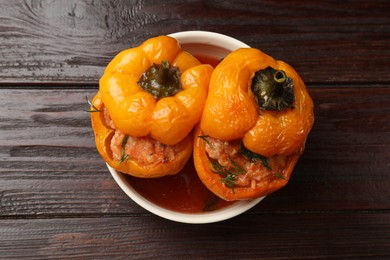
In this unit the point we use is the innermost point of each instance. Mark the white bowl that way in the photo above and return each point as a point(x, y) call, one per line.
point(209, 44)
point(217, 46)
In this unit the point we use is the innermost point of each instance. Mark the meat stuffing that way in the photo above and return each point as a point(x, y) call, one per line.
point(144, 150)
point(254, 173)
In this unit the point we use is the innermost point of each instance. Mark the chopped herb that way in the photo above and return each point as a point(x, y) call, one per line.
point(238, 169)
point(229, 181)
point(124, 158)
point(206, 140)
point(124, 155)
point(211, 203)
point(280, 176)
point(254, 156)
point(229, 175)
point(94, 109)
point(219, 169)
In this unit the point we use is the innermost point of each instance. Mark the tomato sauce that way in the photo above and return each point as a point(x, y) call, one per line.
point(183, 192)
point(208, 60)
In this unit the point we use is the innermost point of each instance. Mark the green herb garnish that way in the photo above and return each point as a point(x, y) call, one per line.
point(237, 168)
point(211, 203)
point(124, 155)
point(254, 156)
point(94, 109)
point(206, 140)
point(280, 176)
point(229, 181)
point(229, 175)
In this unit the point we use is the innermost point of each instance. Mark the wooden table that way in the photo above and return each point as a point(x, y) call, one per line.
point(57, 198)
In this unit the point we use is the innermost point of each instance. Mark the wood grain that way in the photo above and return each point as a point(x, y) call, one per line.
point(57, 198)
point(72, 41)
point(49, 164)
point(260, 236)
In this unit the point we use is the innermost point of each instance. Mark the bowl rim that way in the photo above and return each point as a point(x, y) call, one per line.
point(209, 38)
point(237, 208)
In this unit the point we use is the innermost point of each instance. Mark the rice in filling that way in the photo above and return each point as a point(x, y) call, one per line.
point(145, 150)
point(254, 173)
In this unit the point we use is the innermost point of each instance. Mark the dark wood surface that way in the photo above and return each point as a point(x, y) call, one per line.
point(57, 199)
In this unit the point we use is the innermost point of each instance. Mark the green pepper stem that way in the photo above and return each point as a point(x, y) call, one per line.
point(280, 76)
point(163, 72)
point(272, 89)
point(161, 80)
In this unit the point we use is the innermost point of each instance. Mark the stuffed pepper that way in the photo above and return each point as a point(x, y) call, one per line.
point(254, 126)
point(150, 97)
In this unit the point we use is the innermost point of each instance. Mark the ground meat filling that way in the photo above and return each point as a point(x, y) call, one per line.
point(254, 173)
point(107, 118)
point(146, 151)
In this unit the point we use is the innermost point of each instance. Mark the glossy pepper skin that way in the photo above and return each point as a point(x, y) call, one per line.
point(232, 113)
point(136, 112)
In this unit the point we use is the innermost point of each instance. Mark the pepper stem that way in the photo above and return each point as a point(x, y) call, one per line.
point(280, 77)
point(272, 89)
point(161, 80)
point(163, 72)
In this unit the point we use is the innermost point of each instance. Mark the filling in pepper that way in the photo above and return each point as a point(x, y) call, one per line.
point(146, 151)
point(239, 167)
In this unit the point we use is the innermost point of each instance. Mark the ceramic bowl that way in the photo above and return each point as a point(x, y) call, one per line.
point(198, 43)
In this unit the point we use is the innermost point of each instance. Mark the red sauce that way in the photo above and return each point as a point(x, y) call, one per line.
point(183, 192)
point(208, 60)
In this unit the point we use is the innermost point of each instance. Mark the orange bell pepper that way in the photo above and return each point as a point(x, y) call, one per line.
point(104, 137)
point(259, 111)
point(154, 94)
point(137, 112)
